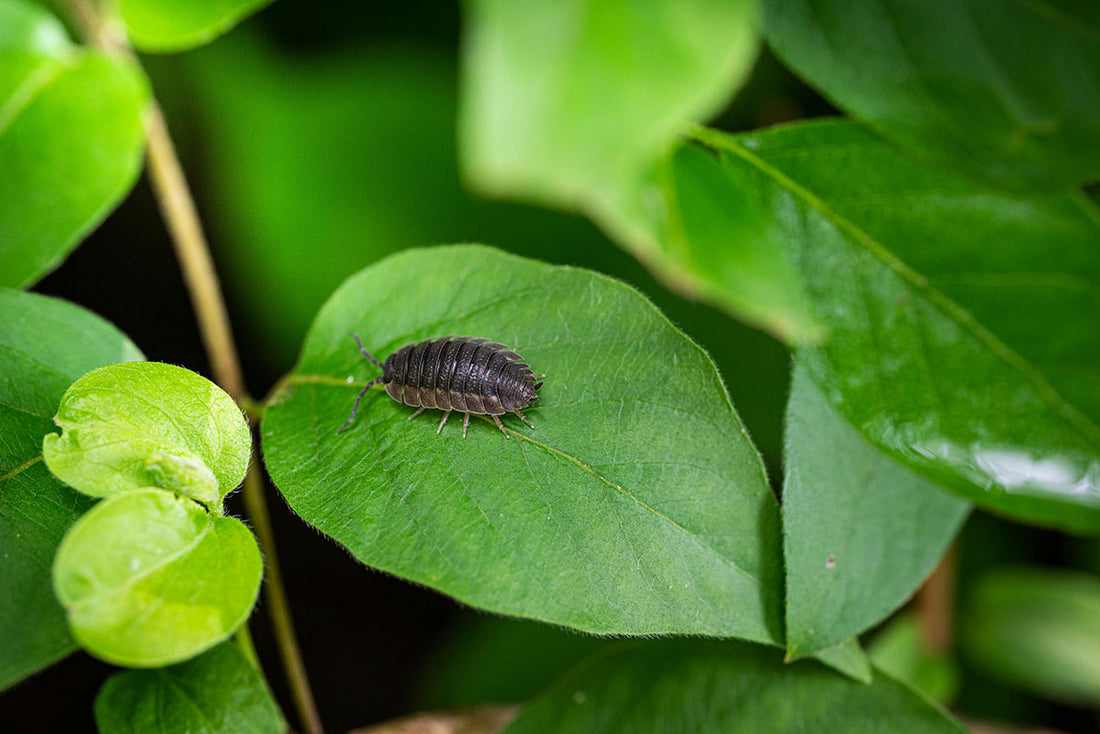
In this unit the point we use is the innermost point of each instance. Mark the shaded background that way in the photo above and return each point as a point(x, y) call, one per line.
point(319, 138)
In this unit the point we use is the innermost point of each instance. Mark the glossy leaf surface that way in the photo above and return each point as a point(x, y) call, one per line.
point(149, 578)
point(1008, 91)
point(45, 344)
point(1039, 630)
point(979, 366)
point(636, 505)
point(149, 425)
point(70, 140)
point(176, 25)
point(860, 531)
point(565, 99)
point(693, 686)
point(218, 691)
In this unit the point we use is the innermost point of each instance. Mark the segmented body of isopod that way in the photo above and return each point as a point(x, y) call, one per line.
point(463, 373)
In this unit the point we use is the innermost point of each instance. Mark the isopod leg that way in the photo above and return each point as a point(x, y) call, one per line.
point(496, 419)
point(520, 416)
point(445, 416)
point(465, 424)
point(422, 409)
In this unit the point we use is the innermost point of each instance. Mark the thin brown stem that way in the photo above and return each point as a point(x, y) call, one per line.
point(277, 607)
point(936, 605)
point(182, 220)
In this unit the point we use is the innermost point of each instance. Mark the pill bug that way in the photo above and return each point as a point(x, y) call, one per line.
point(464, 373)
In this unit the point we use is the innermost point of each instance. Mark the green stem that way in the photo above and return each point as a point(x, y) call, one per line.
point(183, 223)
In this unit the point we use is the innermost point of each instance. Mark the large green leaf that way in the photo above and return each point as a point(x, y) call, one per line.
point(1038, 629)
point(977, 365)
point(1009, 91)
point(668, 687)
point(45, 344)
point(70, 140)
point(636, 505)
point(149, 424)
point(175, 25)
point(149, 578)
point(562, 100)
point(860, 531)
point(704, 231)
point(217, 692)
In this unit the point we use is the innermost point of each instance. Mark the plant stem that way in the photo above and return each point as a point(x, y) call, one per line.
point(936, 605)
point(182, 220)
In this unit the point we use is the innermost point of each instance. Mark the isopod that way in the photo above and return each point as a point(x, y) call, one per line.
point(464, 373)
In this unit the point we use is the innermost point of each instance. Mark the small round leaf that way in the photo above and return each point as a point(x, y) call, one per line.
point(149, 578)
point(146, 424)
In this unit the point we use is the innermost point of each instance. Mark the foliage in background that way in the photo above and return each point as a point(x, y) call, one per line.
point(938, 286)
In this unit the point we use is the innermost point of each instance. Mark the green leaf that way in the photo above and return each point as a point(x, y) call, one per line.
point(973, 85)
point(176, 25)
point(704, 232)
point(978, 366)
point(149, 578)
point(149, 425)
point(563, 100)
point(70, 140)
point(1038, 629)
point(860, 530)
point(848, 658)
point(45, 344)
point(696, 685)
point(637, 504)
point(899, 651)
point(218, 691)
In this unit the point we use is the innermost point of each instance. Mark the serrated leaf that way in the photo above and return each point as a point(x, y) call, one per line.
point(177, 25)
point(45, 344)
point(149, 578)
point(973, 84)
point(1038, 629)
point(860, 531)
point(898, 650)
point(218, 691)
point(561, 100)
point(978, 366)
point(636, 505)
point(70, 140)
point(668, 687)
point(149, 424)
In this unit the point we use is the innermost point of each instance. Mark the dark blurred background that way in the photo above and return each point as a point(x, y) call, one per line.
point(319, 138)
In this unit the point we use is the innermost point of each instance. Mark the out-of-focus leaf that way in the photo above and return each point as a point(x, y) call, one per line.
point(1008, 91)
point(1038, 629)
point(477, 662)
point(566, 100)
point(149, 424)
point(978, 366)
point(45, 344)
point(70, 140)
point(149, 578)
point(669, 687)
point(175, 25)
point(899, 651)
point(217, 692)
point(860, 531)
point(703, 230)
point(637, 504)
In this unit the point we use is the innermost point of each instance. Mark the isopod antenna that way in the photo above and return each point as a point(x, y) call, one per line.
point(359, 397)
point(363, 351)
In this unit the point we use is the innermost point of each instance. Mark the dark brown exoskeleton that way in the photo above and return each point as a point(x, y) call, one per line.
point(461, 373)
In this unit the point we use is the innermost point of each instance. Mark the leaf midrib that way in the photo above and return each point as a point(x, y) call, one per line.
point(963, 318)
